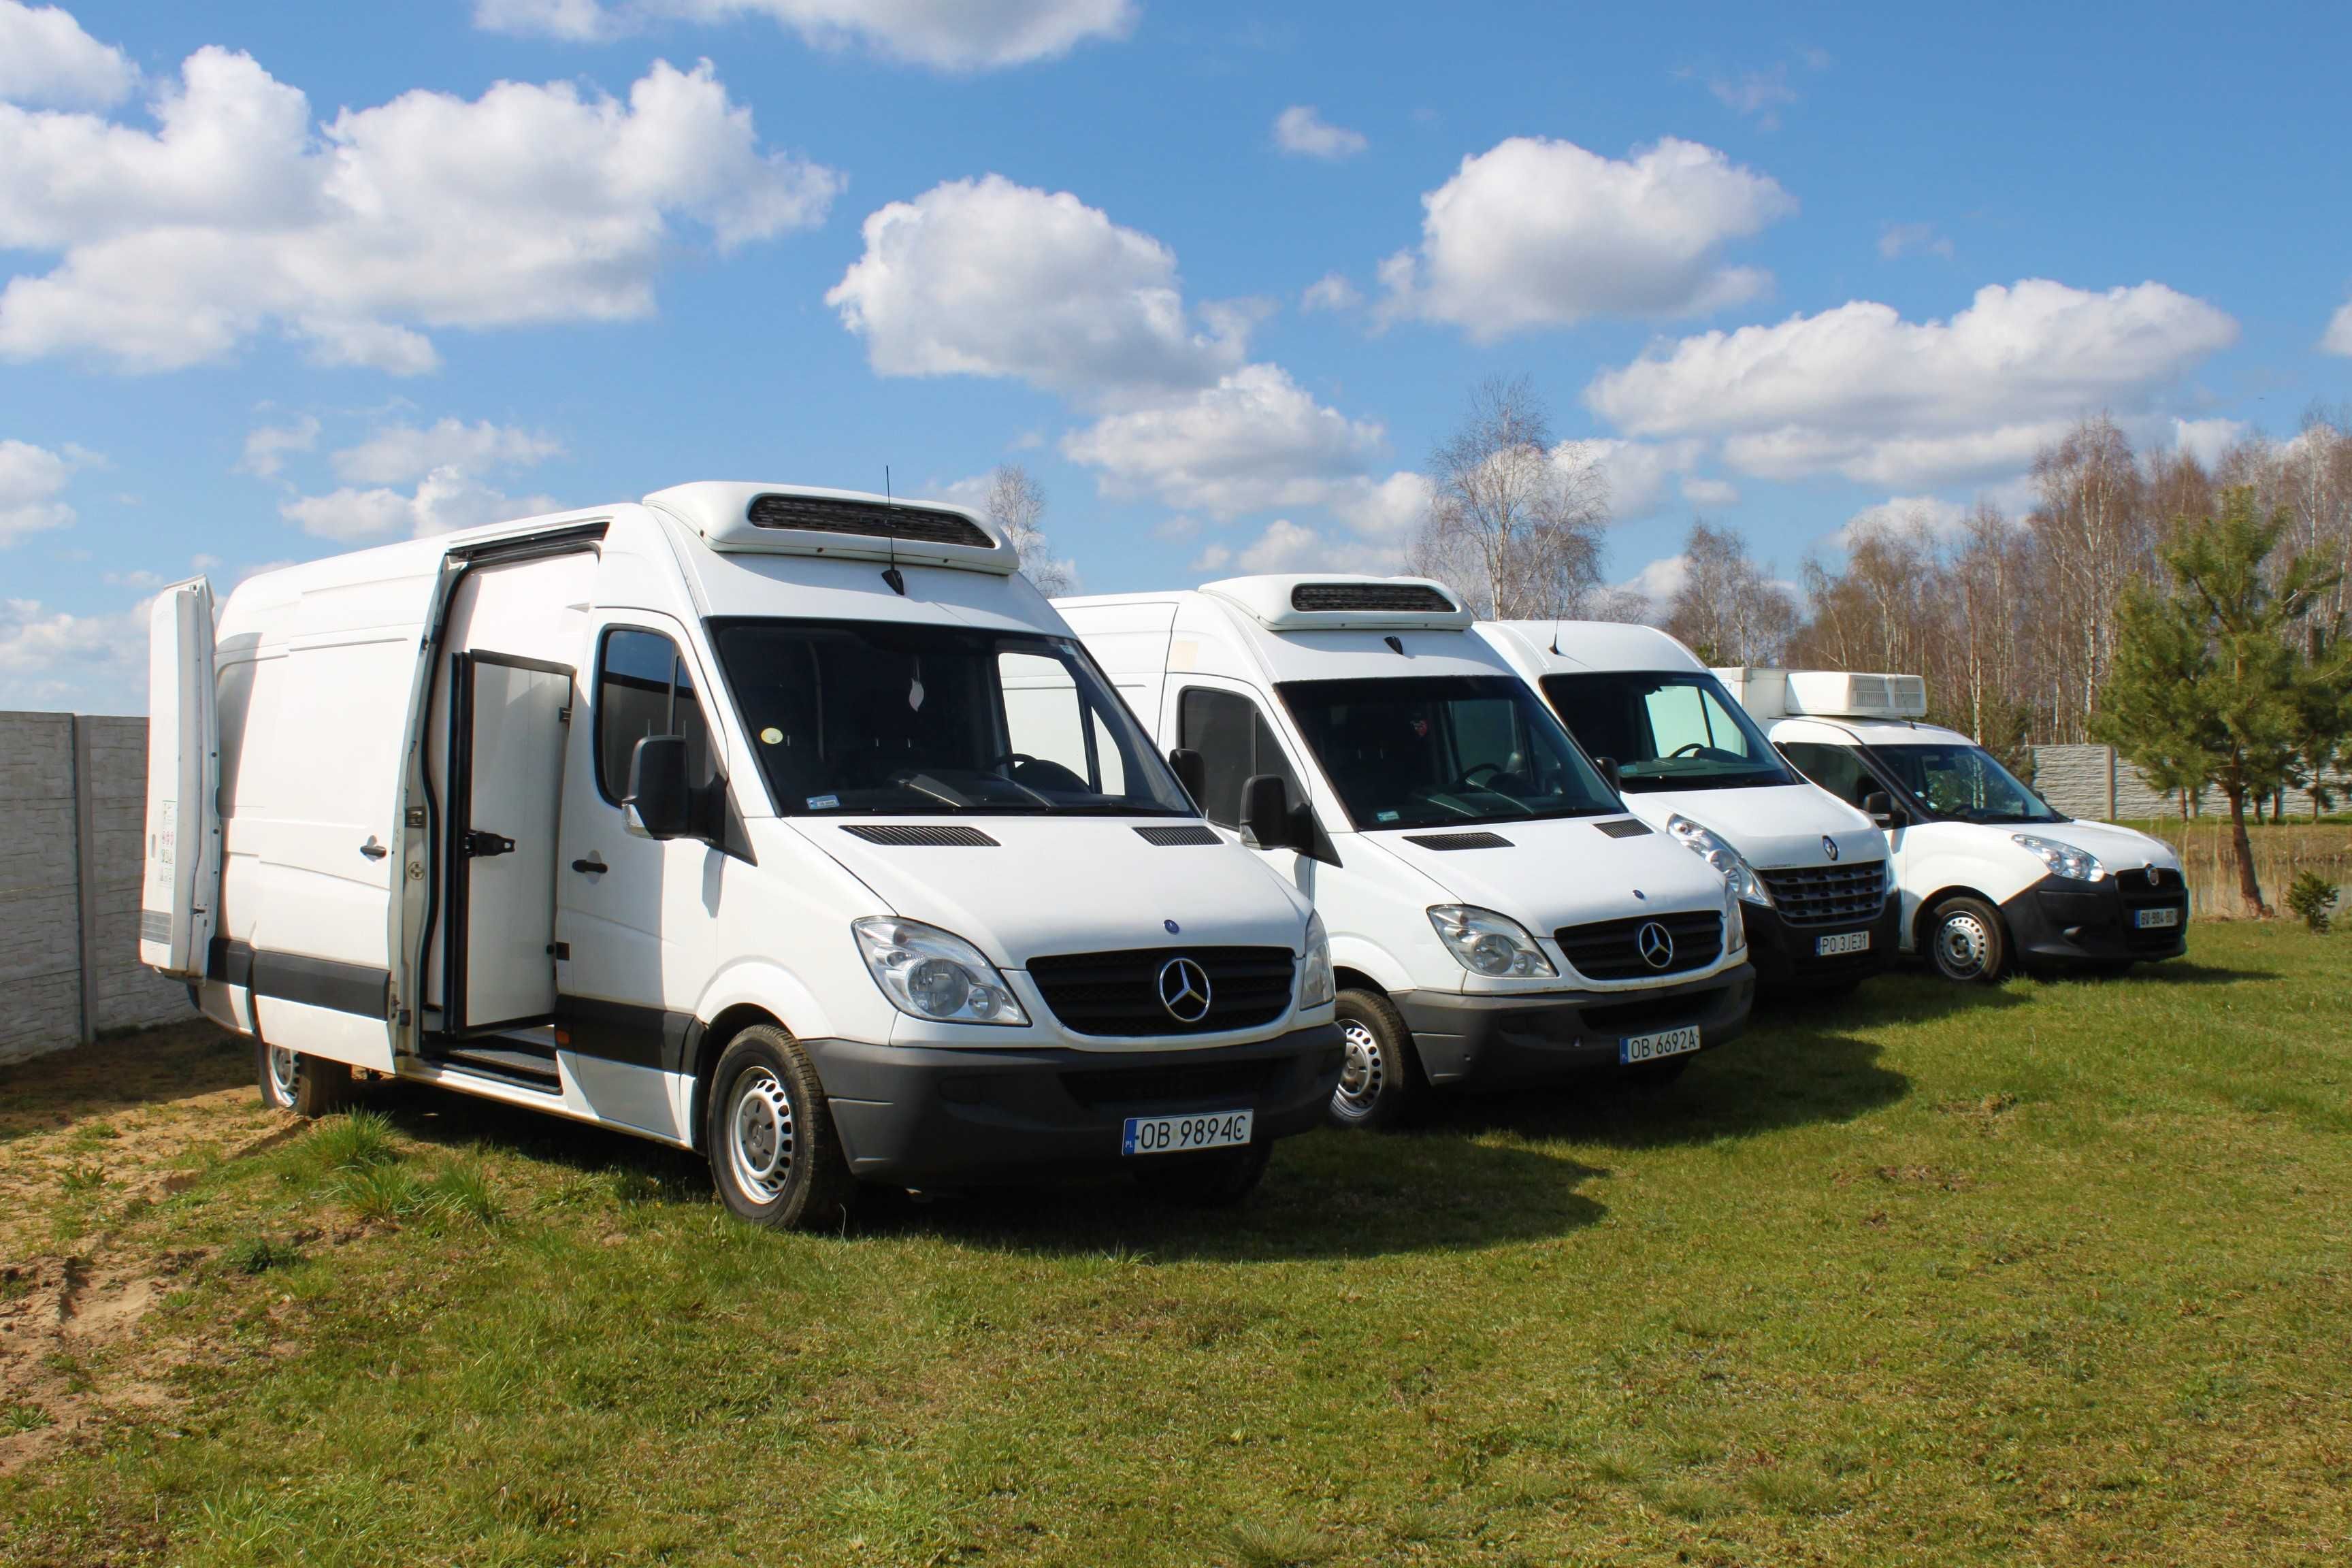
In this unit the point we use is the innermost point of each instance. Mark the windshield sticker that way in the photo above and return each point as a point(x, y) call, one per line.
point(1388, 816)
point(771, 736)
point(823, 802)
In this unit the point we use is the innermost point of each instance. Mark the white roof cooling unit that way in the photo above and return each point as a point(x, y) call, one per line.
point(1834, 694)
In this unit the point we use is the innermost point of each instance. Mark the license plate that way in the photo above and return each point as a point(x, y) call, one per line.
point(1664, 1043)
point(1844, 942)
point(1180, 1134)
point(2150, 920)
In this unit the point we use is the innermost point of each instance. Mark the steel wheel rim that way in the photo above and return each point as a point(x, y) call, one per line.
point(1363, 1072)
point(760, 1135)
point(284, 1069)
point(1962, 945)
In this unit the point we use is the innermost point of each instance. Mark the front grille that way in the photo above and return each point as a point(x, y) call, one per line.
point(1610, 950)
point(923, 837)
point(866, 519)
point(1408, 596)
point(2152, 887)
point(1117, 993)
point(1828, 895)
point(1169, 838)
point(1458, 840)
point(1223, 1081)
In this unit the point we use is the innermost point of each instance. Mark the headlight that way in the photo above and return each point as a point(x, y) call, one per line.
point(936, 974)
point(1734, 923)
point(1489, 944)
point(1315, 975)
point(1733, 865)
point(2064, 859)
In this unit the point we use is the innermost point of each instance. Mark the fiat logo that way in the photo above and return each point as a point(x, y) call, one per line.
point(1655, 943)
point(1829, 847)
point(1184, 990)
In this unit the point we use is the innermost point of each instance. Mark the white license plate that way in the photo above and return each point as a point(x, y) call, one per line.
point(2150, 920)
point(1180, 1134)
point(1664, 1043)
point(1844, 942)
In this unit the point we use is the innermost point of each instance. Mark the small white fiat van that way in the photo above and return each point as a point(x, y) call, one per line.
point(1990, 873)
point(787, 825)
point(1810, 869)
point(1496, 917)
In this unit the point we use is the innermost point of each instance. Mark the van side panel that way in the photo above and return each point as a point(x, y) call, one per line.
point(1130, 642)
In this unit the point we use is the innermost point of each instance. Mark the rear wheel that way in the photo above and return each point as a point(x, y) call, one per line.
point(1379, 1079)
point(774, 1156)
point(1215, 1179)
point(1966, 940)
point(306, 1086)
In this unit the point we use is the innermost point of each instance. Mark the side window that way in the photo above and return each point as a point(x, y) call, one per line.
point(1235, 742)
point(644, 687)
point(1835, 768)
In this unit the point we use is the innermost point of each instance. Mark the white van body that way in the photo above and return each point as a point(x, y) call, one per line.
point(1820, 913)
point(425, 867)
point(1230, 670)
point(1989, 872)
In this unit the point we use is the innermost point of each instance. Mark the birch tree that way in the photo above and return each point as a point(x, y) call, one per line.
point(1514, 521)
point(1016, 505)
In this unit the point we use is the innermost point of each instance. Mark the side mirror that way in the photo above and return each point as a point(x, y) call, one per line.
point(658, 805)
point(1607, 766)
point(1268, 820)
point(1191, 771)
point(1879, 806)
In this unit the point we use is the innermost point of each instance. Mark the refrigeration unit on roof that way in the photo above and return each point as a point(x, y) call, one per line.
point(1287, 602)
point(788, 519)
point(1827, 694)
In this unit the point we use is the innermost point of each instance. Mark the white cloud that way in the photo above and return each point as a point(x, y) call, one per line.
point(31, 480)
point(47, 58)
point(1380, 509)
point(1332, 291)
point(1254, 440)
point(2207, 439)
point(398, 453)
point(1287, 546)
point(1932, 515)
point(1536, 233)
point(266, 446)
point(1213, 558)
point(88, 664)
point(1709, 492)
point(237, 214)
point(987, 277)
point(946, 34)
point(1636, 471)
point(1900, 239)
point(1759, 94)
point(1860, 392)
point(2337, 339)
point(447, 464)
point(1302, 132)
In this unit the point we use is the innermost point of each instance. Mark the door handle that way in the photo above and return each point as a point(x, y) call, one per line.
point(592, 866)
point(373, 851)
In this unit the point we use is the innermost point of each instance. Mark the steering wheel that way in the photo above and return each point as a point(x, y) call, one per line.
point(1010, 759)
point(1471, 776)
point(1689, 748)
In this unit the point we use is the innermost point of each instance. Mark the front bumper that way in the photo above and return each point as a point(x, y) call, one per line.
point(2058, 922)
point(1483, 1042)
point(927, 1116)
point(1787, 957)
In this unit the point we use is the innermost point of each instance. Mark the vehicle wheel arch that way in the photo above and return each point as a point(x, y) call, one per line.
point(1345, 978)
point(1929, 904)
point(716, 1034)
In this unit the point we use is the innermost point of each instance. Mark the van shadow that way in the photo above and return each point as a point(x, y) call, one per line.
point(161, 1066)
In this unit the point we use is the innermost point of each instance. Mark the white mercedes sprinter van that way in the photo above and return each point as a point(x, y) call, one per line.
point(1810, 869)
point(1990, 873)
point(1497, 916)
point(787, 825)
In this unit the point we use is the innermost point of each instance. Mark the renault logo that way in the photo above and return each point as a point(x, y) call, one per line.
point(1829, 847)
point(1655, 943)
point(1184, 990)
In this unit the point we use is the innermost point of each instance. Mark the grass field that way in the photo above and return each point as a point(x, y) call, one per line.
point(2056, 1273)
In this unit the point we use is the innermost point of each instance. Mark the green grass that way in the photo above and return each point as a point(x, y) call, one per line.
point(2053, 1273)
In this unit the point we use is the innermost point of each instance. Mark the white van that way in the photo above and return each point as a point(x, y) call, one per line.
point(1810, 869)
point(1990, 874)
point(787, 825)
point(1496, 917)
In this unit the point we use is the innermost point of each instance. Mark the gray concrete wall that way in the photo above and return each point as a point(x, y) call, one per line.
point(73, 794)
point(2093, 782)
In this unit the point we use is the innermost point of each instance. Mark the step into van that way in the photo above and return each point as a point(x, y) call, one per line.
point(787, 825)
point(1497, 916)
point(1989, 874)
point(1810, 869)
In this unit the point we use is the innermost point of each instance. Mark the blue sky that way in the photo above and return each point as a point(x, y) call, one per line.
point(1740, 246)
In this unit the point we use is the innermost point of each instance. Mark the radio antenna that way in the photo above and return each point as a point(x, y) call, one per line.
point(890, 574)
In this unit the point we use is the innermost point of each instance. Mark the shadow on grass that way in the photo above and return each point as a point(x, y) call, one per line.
point(150, 1066)
point(2185, 971)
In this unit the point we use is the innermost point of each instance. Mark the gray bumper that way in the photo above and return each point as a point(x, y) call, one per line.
point(1493, 1042)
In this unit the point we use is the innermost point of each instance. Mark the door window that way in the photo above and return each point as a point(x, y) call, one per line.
point(644, 687)
point(1837, 769)
point(1236, 742)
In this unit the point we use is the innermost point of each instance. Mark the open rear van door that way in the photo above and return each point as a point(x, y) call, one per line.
point(180, 893)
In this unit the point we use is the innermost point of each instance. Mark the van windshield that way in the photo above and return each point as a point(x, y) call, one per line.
point(868, 718)
point(1443, 751)
point(1964, 782)
point(1667, 731)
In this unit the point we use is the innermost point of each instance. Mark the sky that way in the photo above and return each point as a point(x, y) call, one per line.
point(280, 281)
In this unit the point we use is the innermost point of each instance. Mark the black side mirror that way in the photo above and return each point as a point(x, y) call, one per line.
point(1191, 771)
point(1268, 820)
point(1879, 806)
point(658, 804)
point(1607, 766)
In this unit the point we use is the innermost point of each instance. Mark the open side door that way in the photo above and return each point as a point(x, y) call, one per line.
point(506, 787)
point(180, 893)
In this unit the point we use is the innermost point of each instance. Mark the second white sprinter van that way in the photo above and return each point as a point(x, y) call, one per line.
point(1812, 871)
point(791, 825)
point(1497, 916)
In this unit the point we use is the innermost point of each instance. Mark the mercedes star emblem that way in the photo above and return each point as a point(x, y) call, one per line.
point(1655, 942)
point(1185, 989)
point(1829, 847)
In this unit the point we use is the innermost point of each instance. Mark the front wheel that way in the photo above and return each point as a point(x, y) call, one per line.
point(306, 1086)
point(1967, 941)
point(774, 1155)
point(1379, 1079)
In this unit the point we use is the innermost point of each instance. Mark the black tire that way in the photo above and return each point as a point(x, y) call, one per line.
point(1380, 1082)
point(1653, 1075)
point(1965, 941)
point(774, 1155)
point(306, 1086)
point(1217, 1179)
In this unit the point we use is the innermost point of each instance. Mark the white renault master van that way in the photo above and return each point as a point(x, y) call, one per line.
point(1990, 873)
point(1497, 916)
point(787, 825)
point(1810, 869)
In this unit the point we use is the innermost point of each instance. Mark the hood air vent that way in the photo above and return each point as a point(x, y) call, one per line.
point(1411, 597)
point(1458, 840)
point(1625, 827)
point(924, 838)
point(866, 520)
point(1170, 837)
